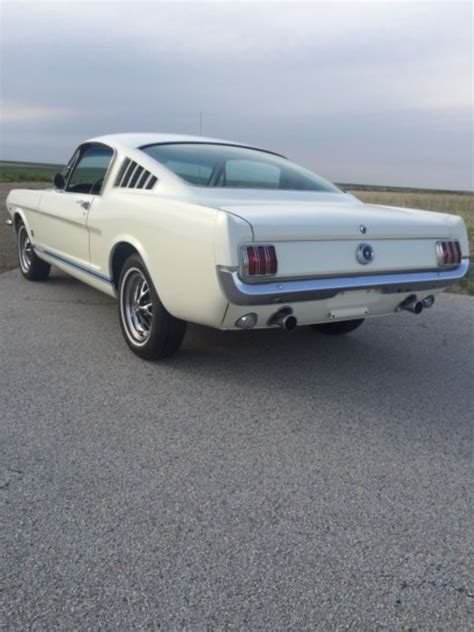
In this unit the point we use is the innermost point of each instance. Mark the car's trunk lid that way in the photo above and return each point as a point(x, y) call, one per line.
point(325, 221)
point(320, 237)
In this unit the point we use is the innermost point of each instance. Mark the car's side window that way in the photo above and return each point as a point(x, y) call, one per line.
point(89, 171)
point(192, 172)
point(250, 173)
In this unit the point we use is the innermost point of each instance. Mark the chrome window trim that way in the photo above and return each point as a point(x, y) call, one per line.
point(71, 165)
point(240, 293)
point(77, 157)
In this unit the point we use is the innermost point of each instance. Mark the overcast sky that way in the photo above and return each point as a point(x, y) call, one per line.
point(376, 92)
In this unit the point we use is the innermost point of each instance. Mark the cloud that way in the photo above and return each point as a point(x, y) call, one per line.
point(346, 87)
point(25, 113)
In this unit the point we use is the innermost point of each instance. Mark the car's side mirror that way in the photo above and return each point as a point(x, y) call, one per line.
point(59, 181)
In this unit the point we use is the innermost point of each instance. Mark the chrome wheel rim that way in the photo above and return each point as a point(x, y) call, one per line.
point(25, 249)
point(136, 306)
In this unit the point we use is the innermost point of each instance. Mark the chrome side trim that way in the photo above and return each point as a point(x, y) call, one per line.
point(241, 293)
point(73, 264)
point(9, 222)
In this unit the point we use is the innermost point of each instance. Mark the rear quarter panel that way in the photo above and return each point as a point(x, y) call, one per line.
point(175, 239)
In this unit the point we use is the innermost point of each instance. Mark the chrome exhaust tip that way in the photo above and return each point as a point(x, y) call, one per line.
point(412, 304)
point(284, 318)
point(289, 323)
point(428, 301)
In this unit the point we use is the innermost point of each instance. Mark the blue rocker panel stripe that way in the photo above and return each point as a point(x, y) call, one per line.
point(73, 264)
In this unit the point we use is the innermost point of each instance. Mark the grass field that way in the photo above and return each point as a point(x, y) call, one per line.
point(458, 203)
point(11, 171)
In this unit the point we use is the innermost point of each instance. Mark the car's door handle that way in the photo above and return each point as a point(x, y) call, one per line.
point(84, 204)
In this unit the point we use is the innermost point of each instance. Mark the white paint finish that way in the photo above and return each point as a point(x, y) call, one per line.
point(182, 232)
point(26, 203)
point(62, 224)
point(340, 218)
point(231, 233)
point(338, 257)
point(176, 243)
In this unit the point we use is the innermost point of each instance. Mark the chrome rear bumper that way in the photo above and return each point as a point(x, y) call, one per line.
point(240, 293)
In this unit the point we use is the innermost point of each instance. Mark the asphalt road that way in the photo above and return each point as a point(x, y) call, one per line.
point(257, 481)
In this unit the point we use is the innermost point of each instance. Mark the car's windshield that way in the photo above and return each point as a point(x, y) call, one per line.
point(229, 166)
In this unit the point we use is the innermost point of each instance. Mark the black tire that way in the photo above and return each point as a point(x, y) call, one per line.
point(339, 327)
point(31, 266)
point(150, 331)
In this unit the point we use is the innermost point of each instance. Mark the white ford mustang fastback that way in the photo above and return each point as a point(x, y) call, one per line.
point(184, 228)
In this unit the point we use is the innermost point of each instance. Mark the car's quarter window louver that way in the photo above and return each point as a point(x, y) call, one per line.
point(131, 175)
point(135, 175)
point(121, 172)
point(142, 178)
point(151, 182)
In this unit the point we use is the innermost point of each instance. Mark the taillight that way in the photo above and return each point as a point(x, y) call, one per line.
point(448, 253)
point(259, 260)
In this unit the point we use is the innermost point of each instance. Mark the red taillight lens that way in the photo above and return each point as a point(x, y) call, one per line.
point(259, 260)
point(448, 253)
point(252, 261)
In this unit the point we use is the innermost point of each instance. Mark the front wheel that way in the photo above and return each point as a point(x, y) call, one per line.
point(149, 329)
point(32, 267)
point(339, 327)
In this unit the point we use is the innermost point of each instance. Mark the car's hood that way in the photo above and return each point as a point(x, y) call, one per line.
point(294, 216)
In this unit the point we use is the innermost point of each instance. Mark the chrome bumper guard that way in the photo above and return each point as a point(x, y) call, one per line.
point(240, 293)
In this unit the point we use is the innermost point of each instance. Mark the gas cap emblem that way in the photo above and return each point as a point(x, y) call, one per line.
point(363, 229)
point(365, 253)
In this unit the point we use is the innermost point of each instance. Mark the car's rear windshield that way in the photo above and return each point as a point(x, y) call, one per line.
point(230, 166)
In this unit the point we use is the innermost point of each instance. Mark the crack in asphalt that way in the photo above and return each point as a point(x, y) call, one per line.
point(405, 584)
point(6, 484)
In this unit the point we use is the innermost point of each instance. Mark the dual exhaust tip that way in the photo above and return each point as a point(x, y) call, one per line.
point(413, 305)
point(283, 318)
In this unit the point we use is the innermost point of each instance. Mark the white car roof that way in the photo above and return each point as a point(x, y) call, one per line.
point(134, 141)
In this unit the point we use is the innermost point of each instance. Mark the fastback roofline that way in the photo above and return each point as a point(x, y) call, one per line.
point(132, 141)
point(215, 142)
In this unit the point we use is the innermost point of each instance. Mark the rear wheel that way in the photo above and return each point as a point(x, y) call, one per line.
point(149, 329)
point(339, 327)
point(32, 267)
